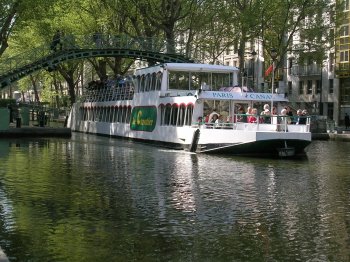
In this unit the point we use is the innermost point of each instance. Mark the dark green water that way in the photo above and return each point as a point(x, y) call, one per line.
point(99, 199)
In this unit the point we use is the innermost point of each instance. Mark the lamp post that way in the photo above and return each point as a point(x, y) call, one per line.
point(253, 54)
point(273, 56)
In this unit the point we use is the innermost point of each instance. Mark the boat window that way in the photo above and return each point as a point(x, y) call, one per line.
point(158, 82)
point(161, 110)
point(179, 80)
point(174, 114)
point(189, 114)
point(181, 115)
point(107, 113)
point(83, 113)
point(117, 116)
point(142, 83)
point(147, 83)
point(101, 114)
point(153, 82)
point(196, 80)
point(104, 113)
point(219, 106)
point(115, 112)
point(128, 115)
point(137, 82)
point(221, 80)
point(123, 115)
point(92, 114)
point(200, 79)
point(167, 114)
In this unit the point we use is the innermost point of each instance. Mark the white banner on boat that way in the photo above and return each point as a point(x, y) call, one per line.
point(222, 95)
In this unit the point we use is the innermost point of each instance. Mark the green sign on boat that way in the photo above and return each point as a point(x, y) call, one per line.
point(143, 118)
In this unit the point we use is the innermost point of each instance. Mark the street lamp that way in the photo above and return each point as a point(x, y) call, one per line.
point(273, 54)
point(253, 54)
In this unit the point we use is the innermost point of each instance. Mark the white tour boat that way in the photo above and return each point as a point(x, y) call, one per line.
point(169, 104)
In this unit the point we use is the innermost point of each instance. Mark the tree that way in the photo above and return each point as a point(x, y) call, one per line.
point(8, 13)
point(14, 14)
point(306, 20)
point(165, 14)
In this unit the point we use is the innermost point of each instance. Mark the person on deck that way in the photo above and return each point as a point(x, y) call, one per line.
point(212, 114)
point(253, 116)
point(266, 115)
point(241, 117)
point(290, 114)
point(301, 120)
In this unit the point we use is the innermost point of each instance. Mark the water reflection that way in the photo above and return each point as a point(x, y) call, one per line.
point(60, 199)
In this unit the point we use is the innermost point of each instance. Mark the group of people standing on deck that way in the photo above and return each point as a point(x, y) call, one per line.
point(251, 115)
point(267, 117)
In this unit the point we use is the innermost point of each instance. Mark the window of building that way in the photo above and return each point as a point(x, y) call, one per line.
point(344, 56)
point(331, 35)
point(346, 4)
point(309, 87)
point(318, 86)
point(331, 87)
point(228, 50)
point(330, 111)
point(344, 31)
point(301, 87)
point(235, 47)
point(290, 87)
point(331, 62)
point(290, 63)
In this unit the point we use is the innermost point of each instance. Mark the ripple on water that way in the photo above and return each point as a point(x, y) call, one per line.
point(116, 197)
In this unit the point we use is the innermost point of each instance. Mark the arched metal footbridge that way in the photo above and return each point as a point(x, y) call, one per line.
point(81, 47)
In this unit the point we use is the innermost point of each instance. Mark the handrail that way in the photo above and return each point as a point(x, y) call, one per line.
point(281, 125)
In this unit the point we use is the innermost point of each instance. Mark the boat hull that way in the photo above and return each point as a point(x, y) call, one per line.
point(267, 148)
point(257, 144)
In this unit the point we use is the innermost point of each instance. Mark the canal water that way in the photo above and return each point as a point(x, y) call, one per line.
point(93, 198)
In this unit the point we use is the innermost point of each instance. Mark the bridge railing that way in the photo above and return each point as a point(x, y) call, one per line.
point(91, 42)
point(23, 59)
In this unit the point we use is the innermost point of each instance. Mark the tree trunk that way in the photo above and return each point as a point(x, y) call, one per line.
point(36, 95)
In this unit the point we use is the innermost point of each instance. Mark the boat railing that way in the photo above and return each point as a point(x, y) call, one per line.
point(108, 92)
point(276, 123)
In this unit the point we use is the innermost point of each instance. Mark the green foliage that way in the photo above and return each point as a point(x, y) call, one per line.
point(205, 28)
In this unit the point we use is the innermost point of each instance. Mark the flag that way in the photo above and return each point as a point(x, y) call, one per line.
point(269, 70)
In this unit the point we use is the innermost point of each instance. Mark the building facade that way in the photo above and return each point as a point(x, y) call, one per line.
point(342, 64)
point(323, 88)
